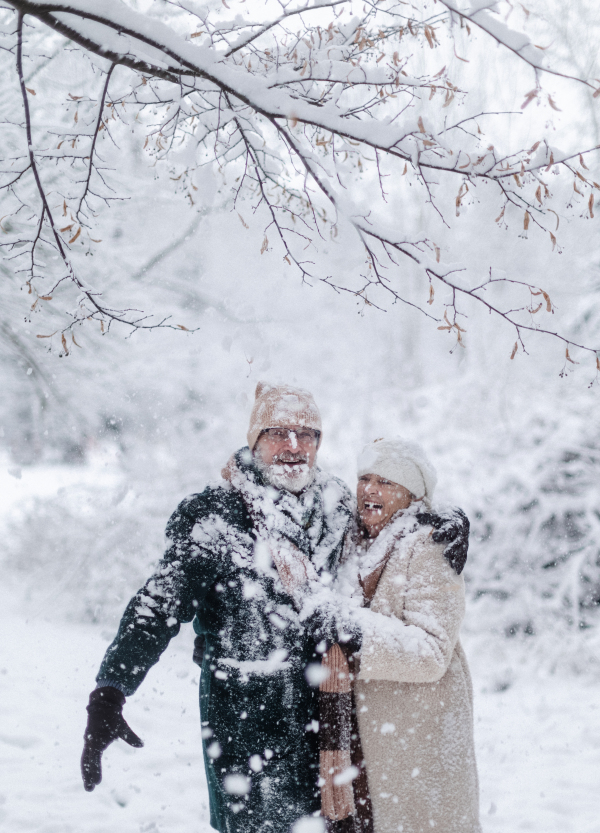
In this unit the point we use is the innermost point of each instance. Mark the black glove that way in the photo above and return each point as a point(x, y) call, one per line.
point(328, 630)
point(322, 629)
point(105, 724)
point(350, 637)
point(199, 646)
point(452, 528)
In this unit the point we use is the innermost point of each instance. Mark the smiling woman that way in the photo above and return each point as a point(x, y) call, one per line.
point(391, 475)
point(413, 689)
point(378, 501)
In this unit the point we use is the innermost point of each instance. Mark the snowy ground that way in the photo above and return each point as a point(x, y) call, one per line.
point(538, 740)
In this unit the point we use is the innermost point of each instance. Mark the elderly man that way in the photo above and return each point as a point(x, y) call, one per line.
point(241, 558)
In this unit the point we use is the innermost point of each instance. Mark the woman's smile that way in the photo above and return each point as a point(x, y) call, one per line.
point(378, 501)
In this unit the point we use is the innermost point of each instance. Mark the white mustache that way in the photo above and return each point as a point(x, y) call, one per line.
point(289, 457)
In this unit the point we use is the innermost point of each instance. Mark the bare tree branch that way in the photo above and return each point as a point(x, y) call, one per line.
point(94, 140)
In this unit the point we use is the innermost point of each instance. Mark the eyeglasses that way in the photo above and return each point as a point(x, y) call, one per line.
point(304, 436)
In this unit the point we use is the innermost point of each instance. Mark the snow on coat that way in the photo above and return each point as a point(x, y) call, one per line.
point(414, 691)
point(258, 711)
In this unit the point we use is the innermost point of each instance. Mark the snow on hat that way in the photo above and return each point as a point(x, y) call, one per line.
point(282, 406)
point(402, 462)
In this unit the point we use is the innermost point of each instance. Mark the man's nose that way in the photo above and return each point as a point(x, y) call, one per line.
point(291, 441)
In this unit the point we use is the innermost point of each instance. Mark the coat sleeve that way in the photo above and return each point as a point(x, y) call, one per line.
point(410, 635)
point(172, 595)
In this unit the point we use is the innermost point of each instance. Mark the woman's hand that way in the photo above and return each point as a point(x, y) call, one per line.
point(451, 527)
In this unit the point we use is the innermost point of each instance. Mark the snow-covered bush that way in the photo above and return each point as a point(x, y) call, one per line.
point(536, 536)
point(82, 553)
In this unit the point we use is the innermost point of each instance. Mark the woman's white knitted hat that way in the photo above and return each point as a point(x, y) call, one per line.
point(401, 462)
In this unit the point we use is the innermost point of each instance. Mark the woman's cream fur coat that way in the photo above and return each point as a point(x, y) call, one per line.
point(414, 693)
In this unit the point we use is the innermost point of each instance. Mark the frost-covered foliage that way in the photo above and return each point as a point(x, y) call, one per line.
point(323, 114)
point(85, 550)
point(537, 533)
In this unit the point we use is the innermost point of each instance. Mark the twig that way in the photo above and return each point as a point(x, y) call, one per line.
point(95, 139)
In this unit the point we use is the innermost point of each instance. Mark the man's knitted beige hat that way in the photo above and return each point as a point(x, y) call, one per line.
point(282, 406)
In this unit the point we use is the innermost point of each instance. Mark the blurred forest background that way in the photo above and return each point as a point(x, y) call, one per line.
point(140, 420)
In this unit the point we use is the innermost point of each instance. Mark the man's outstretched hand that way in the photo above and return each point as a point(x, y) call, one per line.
point(451, 528)
point(105, 724)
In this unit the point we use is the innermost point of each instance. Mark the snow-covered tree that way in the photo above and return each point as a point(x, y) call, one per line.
point(318, 113)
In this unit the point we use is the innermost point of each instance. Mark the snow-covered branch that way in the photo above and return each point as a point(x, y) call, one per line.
point(296, 110)
point(484, 15)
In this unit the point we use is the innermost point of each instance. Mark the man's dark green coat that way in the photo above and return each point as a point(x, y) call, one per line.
point(258, 710)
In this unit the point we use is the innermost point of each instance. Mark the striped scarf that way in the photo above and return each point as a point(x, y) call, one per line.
point(345, 801)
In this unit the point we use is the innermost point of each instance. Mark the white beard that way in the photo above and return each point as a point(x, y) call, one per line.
point(291, 478)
